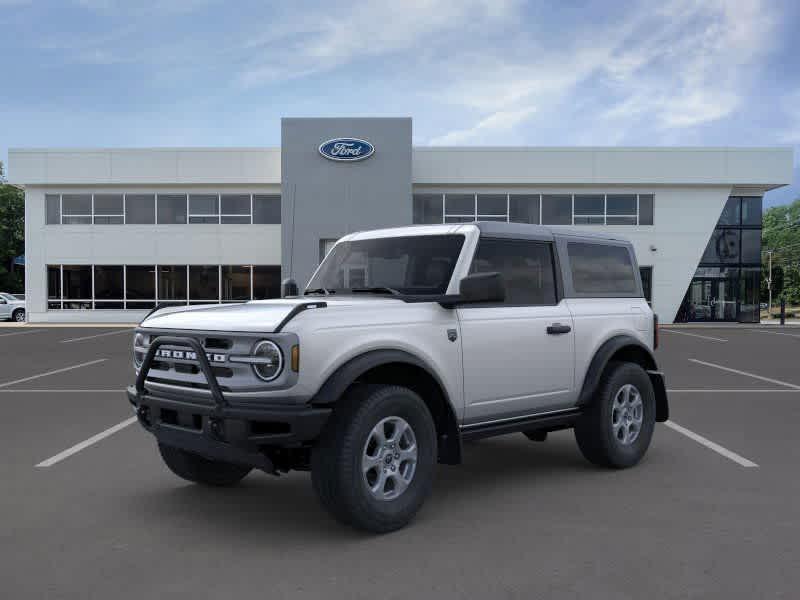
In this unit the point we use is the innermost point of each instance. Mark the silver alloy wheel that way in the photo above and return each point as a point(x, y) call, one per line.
point(19, 316)
point(389, 459)
point(627, 414)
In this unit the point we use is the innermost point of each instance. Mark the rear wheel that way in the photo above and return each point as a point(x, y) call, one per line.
point(616, 428)
point(199, 469)
point(373, 466)
point(19, 315)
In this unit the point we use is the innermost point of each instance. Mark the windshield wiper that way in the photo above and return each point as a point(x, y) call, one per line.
point(320, 290)
point(378, 289)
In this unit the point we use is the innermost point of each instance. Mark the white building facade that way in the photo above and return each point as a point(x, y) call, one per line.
point(111, 233)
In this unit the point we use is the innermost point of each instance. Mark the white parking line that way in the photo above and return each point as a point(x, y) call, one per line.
point(697, 335)
point(22, 332)
point(24, 379)
point(723, 391)
point(92, 391)
point(745, 373)
point(91, 337)
point(729, 454)
point(794, 335)
point(86, 443)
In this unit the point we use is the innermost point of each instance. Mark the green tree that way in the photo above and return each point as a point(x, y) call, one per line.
point(12, 235)
point(781, 235)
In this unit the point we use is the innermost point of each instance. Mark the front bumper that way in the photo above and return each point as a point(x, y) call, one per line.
point(220, 431)
point(237, 435)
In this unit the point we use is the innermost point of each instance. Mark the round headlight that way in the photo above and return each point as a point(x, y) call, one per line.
point(270, 360)
point(138, 349)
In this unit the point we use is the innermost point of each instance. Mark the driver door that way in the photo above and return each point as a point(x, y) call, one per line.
point(518, 355)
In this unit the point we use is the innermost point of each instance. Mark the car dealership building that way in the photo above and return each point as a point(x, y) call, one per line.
point(110, 233)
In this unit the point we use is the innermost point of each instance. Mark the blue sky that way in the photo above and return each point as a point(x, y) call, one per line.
point(470, 72)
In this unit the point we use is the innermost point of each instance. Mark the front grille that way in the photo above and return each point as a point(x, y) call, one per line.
point(187, 373)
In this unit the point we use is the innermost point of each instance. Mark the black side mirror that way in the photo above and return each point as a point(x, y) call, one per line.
point(482, 287)
point(289, 288)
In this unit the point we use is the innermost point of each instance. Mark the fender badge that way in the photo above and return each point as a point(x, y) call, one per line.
point(452, 335)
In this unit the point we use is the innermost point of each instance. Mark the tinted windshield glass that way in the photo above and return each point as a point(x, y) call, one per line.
point(420, 264)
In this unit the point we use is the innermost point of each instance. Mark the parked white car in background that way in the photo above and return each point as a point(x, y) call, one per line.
point(12, 308)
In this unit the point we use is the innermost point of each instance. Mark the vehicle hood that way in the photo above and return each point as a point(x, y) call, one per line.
point(261, 316)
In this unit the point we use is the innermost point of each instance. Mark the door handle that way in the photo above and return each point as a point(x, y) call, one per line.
point(558, 328)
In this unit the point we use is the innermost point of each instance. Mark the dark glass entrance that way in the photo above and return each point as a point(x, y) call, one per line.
point(726, 284)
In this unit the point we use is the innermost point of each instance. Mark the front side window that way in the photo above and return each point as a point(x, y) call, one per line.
point(601, 269)
point(421, 264)
point(526, 267)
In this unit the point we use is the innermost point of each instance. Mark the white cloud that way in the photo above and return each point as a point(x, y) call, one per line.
point(681, 65)
point(301, 45)
point(496, 122)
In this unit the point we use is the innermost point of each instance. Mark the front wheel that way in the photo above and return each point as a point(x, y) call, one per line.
point(198, 469)
point(19, 315)
point(616, 428)
point(374, 464)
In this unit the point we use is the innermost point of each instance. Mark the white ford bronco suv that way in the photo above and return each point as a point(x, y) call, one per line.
point(407, 343)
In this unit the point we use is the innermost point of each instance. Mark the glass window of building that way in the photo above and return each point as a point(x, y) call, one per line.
point(526, 267)
point(621, 209)
point(108, 287)
point(646, 209)
point(589, 209)
point(459, 206)
point(267, 209)
point(523, 208)
point(76, 209)
point(235, 283)
point(730, 213)
point(53, 209)
point(108, 209)
point(171, 209)
point(492, 207)
point(601, 269)
point(556, 209)
point(140, 209)
point(204, 283)
point(204, 208)
point(235, 209)
point(751, 211)
point(77, 286)
point(750, 294)
point(172, 283)
point(266, 281)
point(751, 246)
point(54, 287)
point(428, 209)
point(140, 282)
point(723, 247)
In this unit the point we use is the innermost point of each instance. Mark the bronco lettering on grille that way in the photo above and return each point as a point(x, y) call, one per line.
point(189, 355)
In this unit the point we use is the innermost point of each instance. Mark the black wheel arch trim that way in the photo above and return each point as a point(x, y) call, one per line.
point(601, 359)
point(349, 372)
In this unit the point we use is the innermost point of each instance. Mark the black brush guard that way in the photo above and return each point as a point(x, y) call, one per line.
point(220, 431)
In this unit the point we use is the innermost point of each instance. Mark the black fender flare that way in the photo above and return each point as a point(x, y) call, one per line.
point(644, 357)
point(349, 372)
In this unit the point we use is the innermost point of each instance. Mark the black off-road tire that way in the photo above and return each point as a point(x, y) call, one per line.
point(594, 431)
point(336, 471)
point(198, 469)
point(18, 316)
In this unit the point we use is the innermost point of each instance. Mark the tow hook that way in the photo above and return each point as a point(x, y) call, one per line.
point(216, 428)
point(143, 414)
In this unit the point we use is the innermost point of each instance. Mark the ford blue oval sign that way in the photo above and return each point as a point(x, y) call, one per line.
point(346, 149)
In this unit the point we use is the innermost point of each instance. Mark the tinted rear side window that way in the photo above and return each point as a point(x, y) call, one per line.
point(601, 269)
point(527, 269)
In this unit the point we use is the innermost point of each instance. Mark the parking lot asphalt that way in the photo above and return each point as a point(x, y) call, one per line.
point(517, 519)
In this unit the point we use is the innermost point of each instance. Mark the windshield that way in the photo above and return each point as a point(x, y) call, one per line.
point(418, 264)
point(8, 297)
